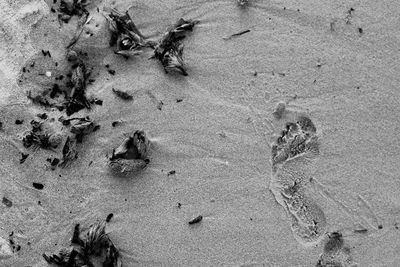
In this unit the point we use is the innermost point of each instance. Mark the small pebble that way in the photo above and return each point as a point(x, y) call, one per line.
point(38, 186)
point(48, 73)
point(196, 220)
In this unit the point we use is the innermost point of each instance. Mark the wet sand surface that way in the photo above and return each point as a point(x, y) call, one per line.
point(270, 189)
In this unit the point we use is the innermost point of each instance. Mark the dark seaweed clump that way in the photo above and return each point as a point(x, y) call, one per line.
point(86, 245)
point(70, 97)
point(69, 8)
point(36, 137)
point(170, 48)
point(125, 35)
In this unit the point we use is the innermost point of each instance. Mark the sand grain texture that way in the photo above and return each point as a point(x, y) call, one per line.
point(309, 55)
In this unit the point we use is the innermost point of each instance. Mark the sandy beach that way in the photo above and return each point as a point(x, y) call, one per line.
point(282, 137)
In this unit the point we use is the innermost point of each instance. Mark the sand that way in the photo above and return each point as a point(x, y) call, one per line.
point(310, 56)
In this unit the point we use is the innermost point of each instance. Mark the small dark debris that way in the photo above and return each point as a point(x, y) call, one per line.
point(23, 69)
point(18, 248)
point(179, 205)
point(122, 94)
point(179, 100)
point(112, 72)
point(255, 73)
point(1, 126)
point(109, 217)
point(196, 220)
point(53, 10)
point(171, 172)
point(107, 66)
point(54, 162)
point(39, 203)
point(236, 34)
point(396, 226)
point(115, 123)
point(46, 53)
point(23, 158)
point(33, 64)
point(7, 202)
point(380, 226)
point(75, 237)
point(360, 30)
point(159, 105)
point(18, 122)
point(38, 186)
point(147, 161)
point(361, 231)
point(42, 116)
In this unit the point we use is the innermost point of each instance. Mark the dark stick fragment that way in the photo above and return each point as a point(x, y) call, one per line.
point(109, 217)
point(38, 186)
point(122, 94)
point(18, 122)
point(7, 202)
point(112, 72)
point(236, 34)
point(23, 158)
point(171, 172)
point(75, 237)
point(196, 220)
point(361, 231)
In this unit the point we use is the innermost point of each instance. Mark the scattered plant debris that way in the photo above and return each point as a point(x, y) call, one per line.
point(170, 49)
point(7, 202)
point(196, 220)
point(122, 94)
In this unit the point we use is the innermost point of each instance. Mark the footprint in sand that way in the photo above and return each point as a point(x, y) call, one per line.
point(293, 155)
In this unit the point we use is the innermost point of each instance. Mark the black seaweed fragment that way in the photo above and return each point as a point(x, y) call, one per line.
point(170, 49)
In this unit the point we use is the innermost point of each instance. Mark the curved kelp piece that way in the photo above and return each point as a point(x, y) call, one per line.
point(170, 49)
